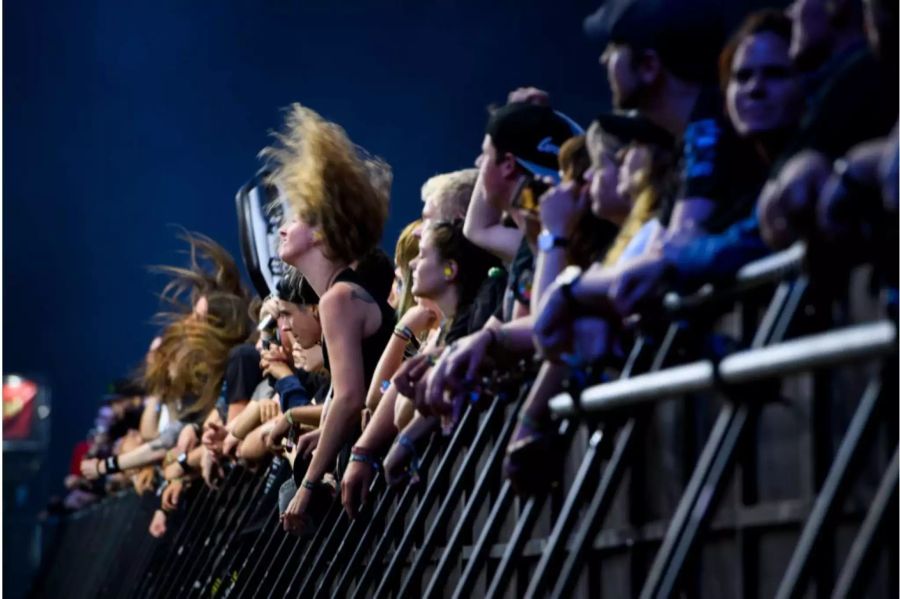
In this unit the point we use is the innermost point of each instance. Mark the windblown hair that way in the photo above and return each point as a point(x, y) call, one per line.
point(330, 183)
point(187, 367)
point(451, 193)
point(407, 249)
point(211, 271)
point(473, 263)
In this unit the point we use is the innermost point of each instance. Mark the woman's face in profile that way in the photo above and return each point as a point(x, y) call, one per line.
point(296, 237)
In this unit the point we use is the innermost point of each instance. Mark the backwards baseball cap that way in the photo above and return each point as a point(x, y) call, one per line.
point(686, 34)
point(533, 134)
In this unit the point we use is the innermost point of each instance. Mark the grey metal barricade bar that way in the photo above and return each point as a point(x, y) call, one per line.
point(848, 344)
point(767, 270)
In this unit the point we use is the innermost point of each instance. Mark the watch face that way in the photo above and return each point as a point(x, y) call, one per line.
point(545, 241)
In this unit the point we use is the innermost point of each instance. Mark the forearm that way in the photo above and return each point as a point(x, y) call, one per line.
point(380, 431)
point(343, 414)
point(195, 456)
point(149, 426)
point(246, 421)
point(234, 409)
point(142, 456)
point(516, 336)
point(593, 287)
point(419, 426)
point(309, 415)
point(390, 361)
point(547, 268)
point(483, 227)
point(253, 446)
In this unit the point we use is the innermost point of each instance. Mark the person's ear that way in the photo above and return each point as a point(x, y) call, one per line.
point(451, 269)
point(649, 67)
point(509, 166)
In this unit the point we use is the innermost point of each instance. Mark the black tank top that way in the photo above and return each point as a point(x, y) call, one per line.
point(373, 345)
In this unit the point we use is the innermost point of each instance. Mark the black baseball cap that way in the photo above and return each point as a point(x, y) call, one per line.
point(687, 34)
point(630, 127)
point(533, 134)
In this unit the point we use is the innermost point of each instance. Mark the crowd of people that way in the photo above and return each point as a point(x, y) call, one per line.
point(722, 147)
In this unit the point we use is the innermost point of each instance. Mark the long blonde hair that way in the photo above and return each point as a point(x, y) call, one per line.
point(652, 183)
point(331, 183)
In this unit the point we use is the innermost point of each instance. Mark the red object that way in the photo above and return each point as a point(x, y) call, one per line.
point(18, 407)
point(78, 452)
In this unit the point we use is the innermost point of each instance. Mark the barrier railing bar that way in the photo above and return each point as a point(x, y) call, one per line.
point(194, 502)
point(463, 433)
point(849, 344)
point(476, 558)
point(585, 478)
point(766, 270)
point(372, 525)
point(265, 511)
point(231, 532)
point(828, 502)
point(183, 557)
point(861, 559)
point(213, 531)
point(595, 512)
point(527, 517)
point(719, 452)
point(351, 536)
point(395, 520)
point(445, 510)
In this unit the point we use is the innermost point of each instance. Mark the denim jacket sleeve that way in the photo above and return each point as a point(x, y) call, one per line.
point(292, 392)
point(713, 258)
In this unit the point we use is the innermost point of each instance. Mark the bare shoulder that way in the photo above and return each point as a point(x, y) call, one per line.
point(345, 296)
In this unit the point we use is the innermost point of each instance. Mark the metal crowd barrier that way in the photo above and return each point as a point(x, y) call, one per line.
point(679, 482)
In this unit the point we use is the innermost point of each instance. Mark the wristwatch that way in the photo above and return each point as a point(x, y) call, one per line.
point(547, 241)
point(183, 462)
point(567, 279)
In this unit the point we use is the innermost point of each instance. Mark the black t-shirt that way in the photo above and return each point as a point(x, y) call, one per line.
point(852, 101)
point(519, 282)
point(242, 375)
point(373, 345)
point(717, 166)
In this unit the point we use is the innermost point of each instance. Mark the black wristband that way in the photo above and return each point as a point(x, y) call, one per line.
point(183, 462)
point(112, 464)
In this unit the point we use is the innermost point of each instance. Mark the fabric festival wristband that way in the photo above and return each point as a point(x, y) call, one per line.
point(289, 417)
point(112, 464)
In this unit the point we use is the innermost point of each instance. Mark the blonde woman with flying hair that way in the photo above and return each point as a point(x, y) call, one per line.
point(336, 207)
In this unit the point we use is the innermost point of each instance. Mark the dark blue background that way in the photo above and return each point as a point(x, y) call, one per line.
point(121, 119)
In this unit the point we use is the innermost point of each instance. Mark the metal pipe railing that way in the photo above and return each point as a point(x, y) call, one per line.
point(846, 345)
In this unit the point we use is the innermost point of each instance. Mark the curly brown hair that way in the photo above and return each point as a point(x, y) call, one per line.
point(331, 183)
